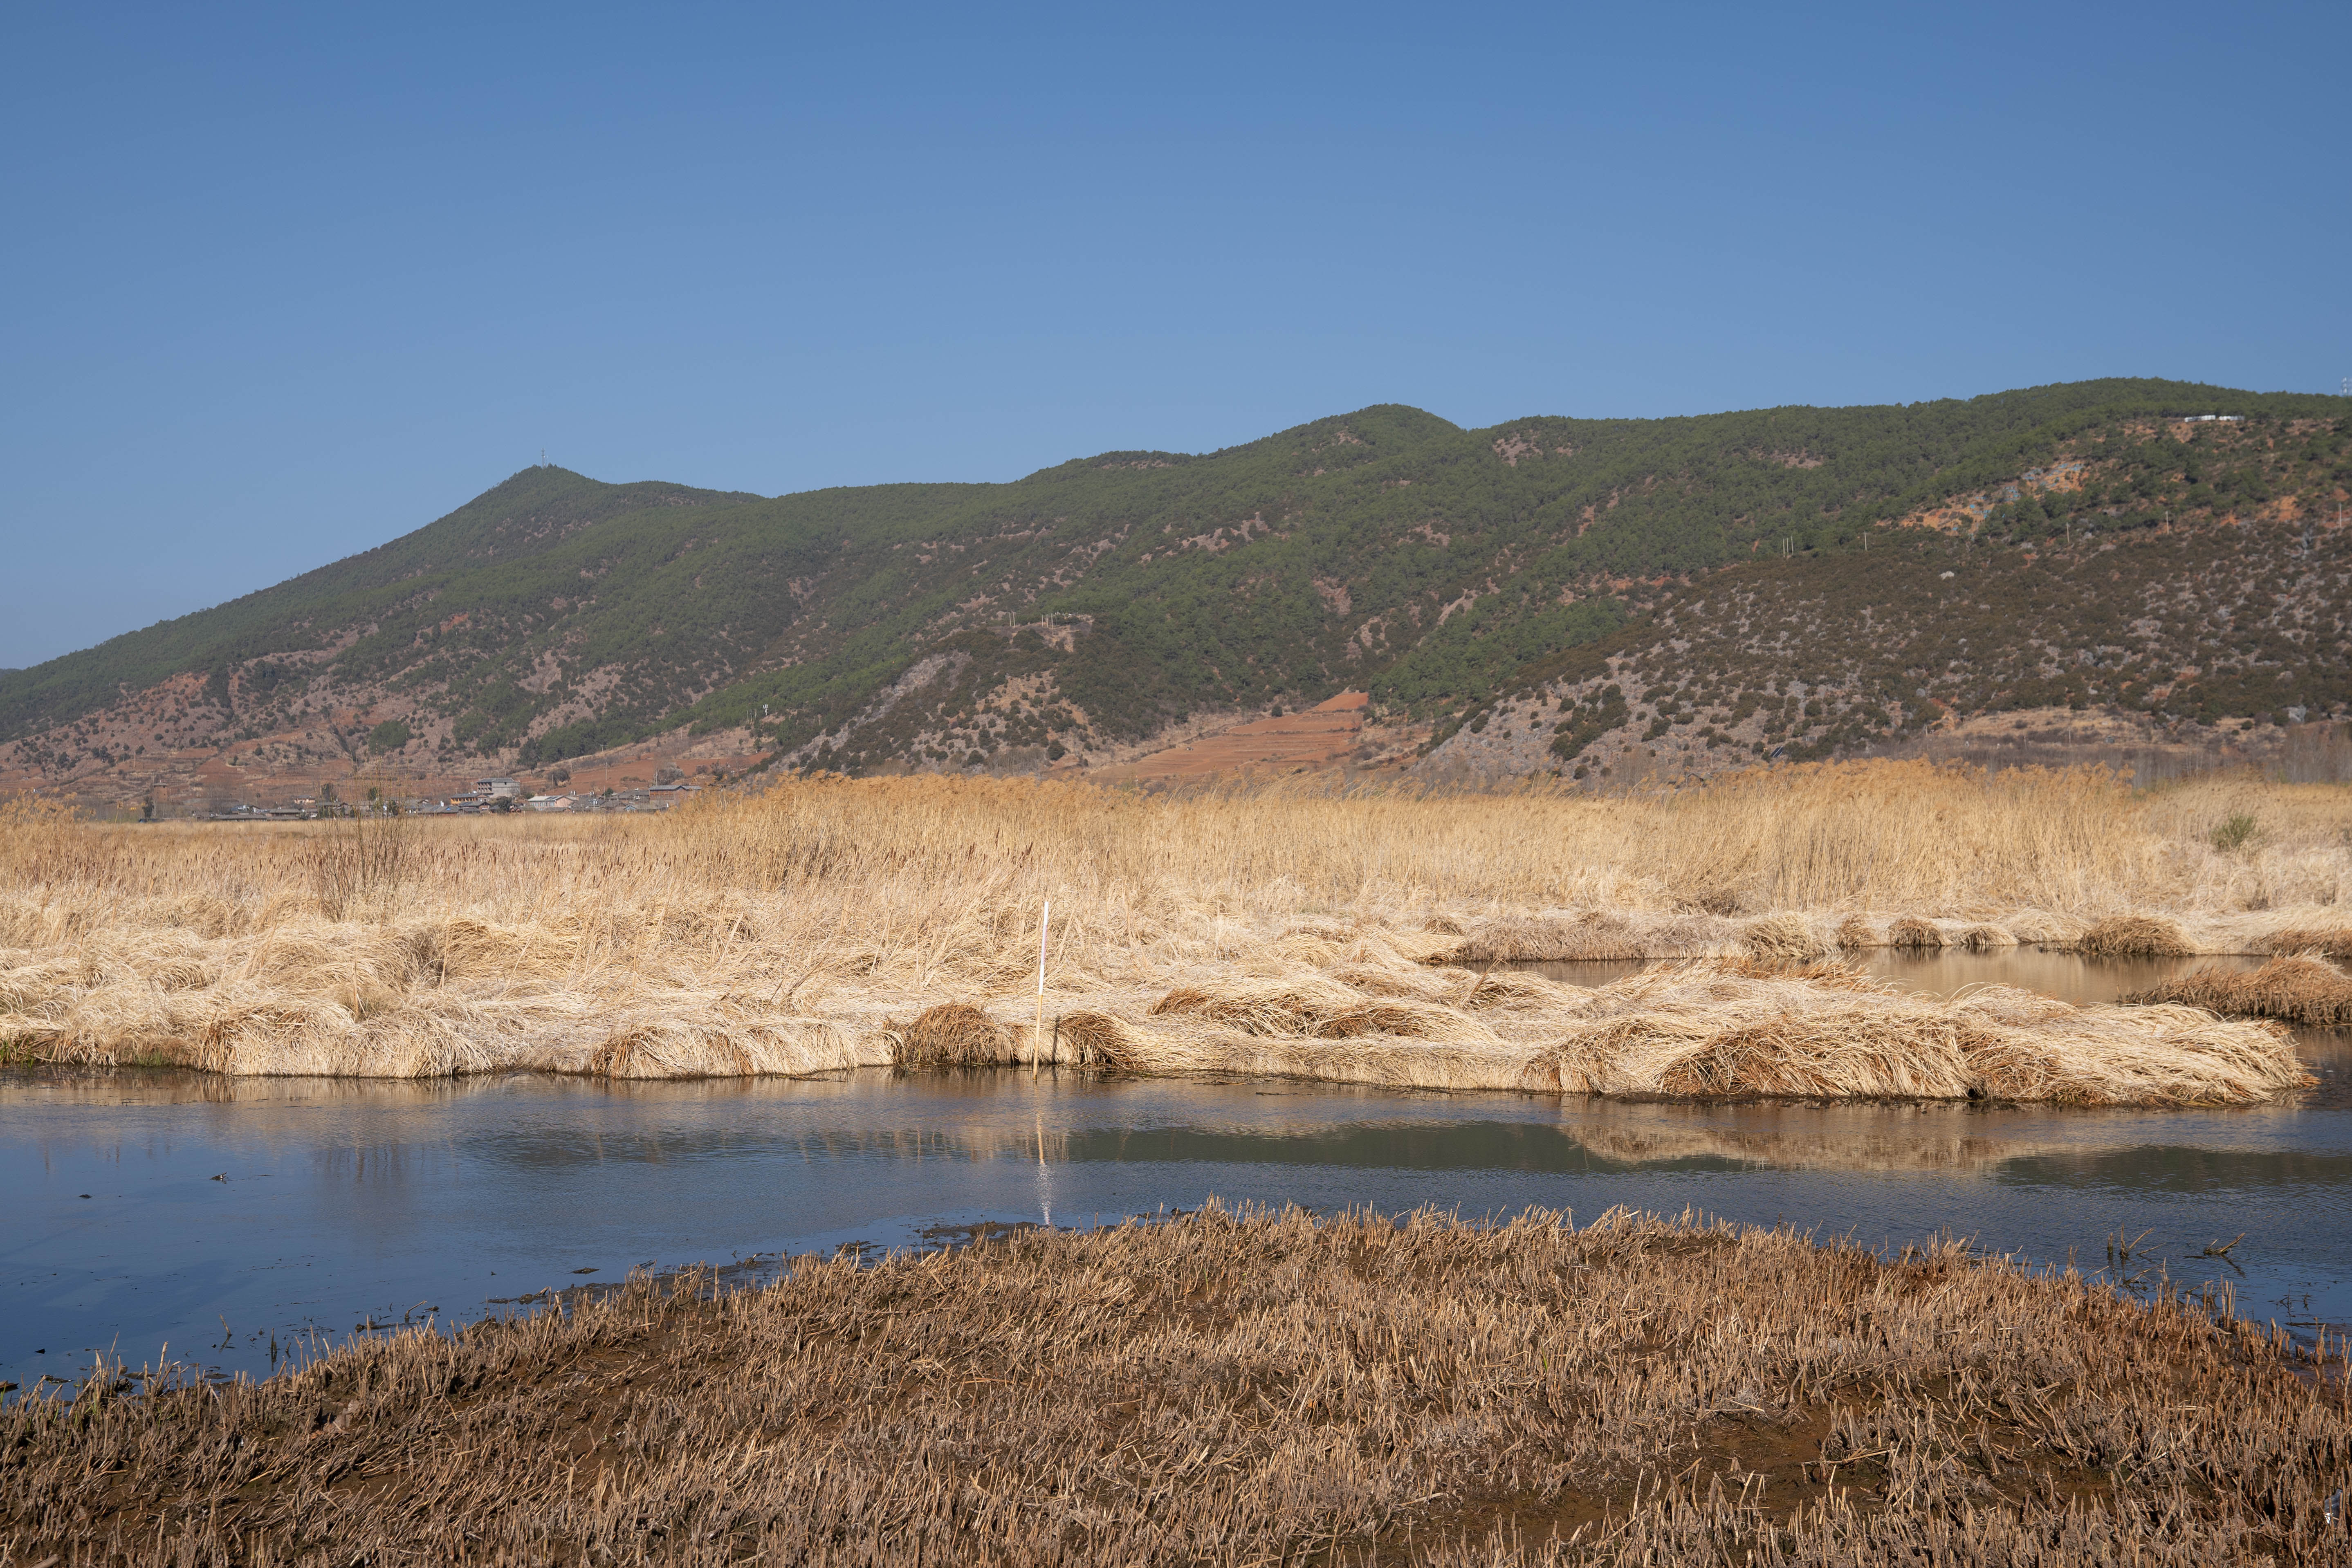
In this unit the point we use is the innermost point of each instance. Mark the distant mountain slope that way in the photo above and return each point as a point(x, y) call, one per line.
point(1092, 605)
point(2250, 622)
point(526, 516)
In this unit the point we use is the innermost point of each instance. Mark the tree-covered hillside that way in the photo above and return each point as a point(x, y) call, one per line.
point(1096, 602)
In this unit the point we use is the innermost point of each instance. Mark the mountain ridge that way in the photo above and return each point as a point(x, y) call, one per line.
point(1080, 610)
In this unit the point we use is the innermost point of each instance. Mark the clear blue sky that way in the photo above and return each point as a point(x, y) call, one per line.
point(282, 284)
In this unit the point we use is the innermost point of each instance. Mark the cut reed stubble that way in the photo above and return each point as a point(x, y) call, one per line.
point(1244, 1387)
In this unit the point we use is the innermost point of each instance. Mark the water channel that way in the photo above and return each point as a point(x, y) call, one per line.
point(237, 1221)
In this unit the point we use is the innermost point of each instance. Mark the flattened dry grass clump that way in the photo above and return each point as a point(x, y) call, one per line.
point(1916, 934)
point(1714, 1029)
point(2025, 1046)
point(2300, 990)
point(1094, 1040)
point(2335, 943)
point(1785, 938)
point(1251, 1387)
point(953, 1035)
point(2133, 936)
point(1594, 937)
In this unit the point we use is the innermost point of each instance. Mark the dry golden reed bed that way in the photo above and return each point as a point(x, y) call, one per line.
point(2299, 989)
point(1300, 930)
point(1251, 1388)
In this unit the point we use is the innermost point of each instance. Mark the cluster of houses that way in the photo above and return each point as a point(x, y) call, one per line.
point(488, 795)
point(506, 795)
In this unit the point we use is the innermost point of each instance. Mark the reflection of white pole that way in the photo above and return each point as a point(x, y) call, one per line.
point(1045, 1175)
point(1037, 1040)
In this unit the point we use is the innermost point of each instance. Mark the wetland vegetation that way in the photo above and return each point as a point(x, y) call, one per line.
point(1307, 930)
point(1250, 1387)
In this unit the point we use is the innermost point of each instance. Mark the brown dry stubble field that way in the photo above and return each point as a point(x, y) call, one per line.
point(1253, 1388)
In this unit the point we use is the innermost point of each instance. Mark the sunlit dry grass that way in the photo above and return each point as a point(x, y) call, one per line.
point(2300, 989)
point(808, 928)
point(1251, 1388)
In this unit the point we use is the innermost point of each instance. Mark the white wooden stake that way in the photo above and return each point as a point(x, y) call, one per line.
point(1038, 1038)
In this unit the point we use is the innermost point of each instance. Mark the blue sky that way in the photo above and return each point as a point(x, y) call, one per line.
point(285, 283)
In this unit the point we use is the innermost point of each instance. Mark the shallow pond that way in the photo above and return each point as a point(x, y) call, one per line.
point(224, 1217)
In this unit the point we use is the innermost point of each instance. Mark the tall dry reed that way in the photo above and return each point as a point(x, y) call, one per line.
point(360, 864)
point(792, 930)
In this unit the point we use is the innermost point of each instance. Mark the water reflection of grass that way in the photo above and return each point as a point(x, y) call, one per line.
point(1251, 1388)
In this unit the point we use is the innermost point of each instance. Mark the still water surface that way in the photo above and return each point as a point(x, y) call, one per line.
point(224, 1216)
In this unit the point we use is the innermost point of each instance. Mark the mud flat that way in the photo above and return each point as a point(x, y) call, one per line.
point(1252, 1388)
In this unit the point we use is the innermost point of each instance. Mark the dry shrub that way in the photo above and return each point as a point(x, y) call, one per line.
point(2133, 936)
point(2298, 989)
point(358, 863)
point(1785, 939)
point(1911, 932)
point(1853, 933)
point(953, 1035)
point(2336, 943)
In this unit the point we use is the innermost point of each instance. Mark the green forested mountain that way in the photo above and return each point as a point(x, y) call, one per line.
point(1097, 601)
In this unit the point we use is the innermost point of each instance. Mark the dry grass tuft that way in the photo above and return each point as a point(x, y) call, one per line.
point(1530, 940)
point(1325, 1010)
point(1912, 932)
point(1985, 938)
point(1820, 1058)
point(1854, 933)
point(1095, 1040)
point(953, 1035)
point(2336, 943)
point(2133, 936)
point(2301, 990)
point(1787, 939)
point(2024, 1046)
point(1248, 1387)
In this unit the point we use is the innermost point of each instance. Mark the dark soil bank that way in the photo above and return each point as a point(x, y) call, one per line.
point(1254, 1389)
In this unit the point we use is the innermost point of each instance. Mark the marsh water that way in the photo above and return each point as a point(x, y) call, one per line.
point(235, 1222)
